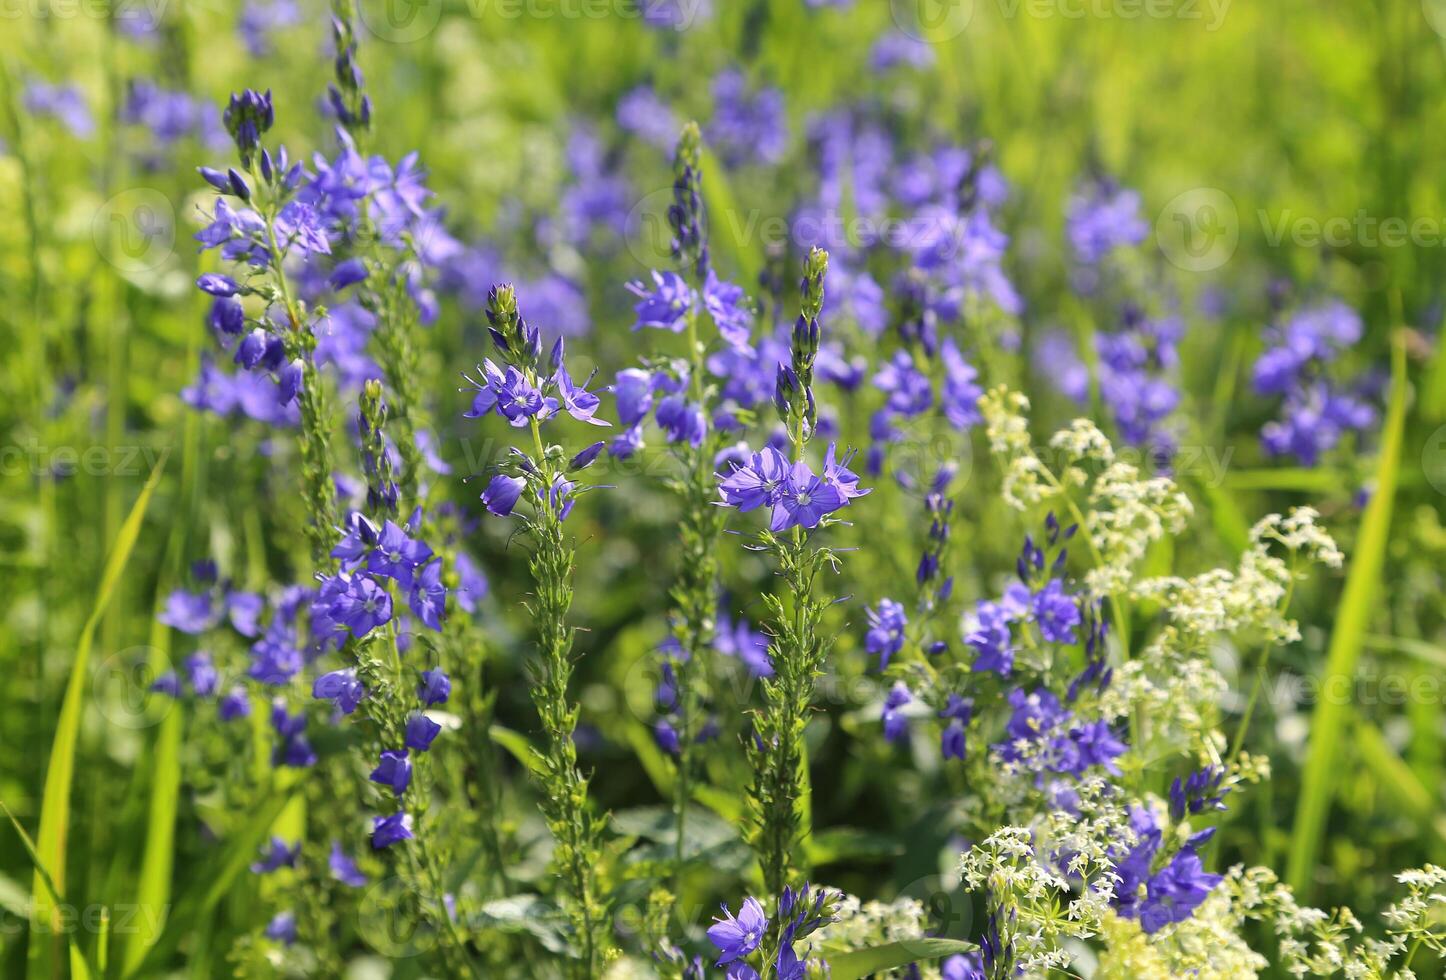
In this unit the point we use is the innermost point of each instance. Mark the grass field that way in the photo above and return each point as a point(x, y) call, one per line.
point(1215, 231)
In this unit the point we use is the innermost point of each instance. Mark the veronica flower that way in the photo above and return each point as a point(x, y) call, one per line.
point(758, 483)
point(682, 420)
point(435, 688)
point(421, 731)
point(299, 225)
point(234, 704)
point(190, 612)
point(735, 638)
point(292, 748)
point(643, 114)
point(804, 500)
point(167, 684)
point(282, 928)
point(908, 389)
point(896, 725)
point(577, 401)
point(747, 126)
point(1201, 791)
point(1101, 218)
point(201, 674)
point(508, 394)
point(727, 304)
point(1160, 898)
point(343, 868)
point(836, 474)
point(991, 638)
point(393, 771)
point(277, 854)
point(65, 103)
point(737, 937)
point(886, 630)
point(1056, 613)
point(665, 305)
point(355, 602)
point(961, 394)
point(428, 597)
point(387, 831)
point(502, 493)
point(396, 555)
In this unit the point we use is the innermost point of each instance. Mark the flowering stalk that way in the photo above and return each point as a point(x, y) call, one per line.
point(695, 592)
point(248, 117)
point(800, 502)
point(525, 397)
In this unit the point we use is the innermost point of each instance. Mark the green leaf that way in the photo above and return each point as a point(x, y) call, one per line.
point(530, 914)
point(517, 746)
point(860, 963)
point(849, 843)
point(1358, 602)
point(55, 803)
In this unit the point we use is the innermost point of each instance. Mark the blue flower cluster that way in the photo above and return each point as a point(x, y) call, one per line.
point(796, 496)
point(1317, 412)
point(738, 938)
point(1159, 885)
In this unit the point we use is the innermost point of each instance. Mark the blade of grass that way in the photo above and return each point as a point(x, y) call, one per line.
point(55, 803)
point(1358, 601)
point(153, 890)
point(1400, 783)
point(730, 228)
point(80, 967)
point(213, 882)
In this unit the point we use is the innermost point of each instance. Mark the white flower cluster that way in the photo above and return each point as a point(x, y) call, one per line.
point(1127, 512)
point(1206, 946)
point(1253, 597)
point(1026, 479)
point(1030, 903)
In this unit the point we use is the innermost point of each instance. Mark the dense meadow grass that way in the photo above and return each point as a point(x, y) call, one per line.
point(958, 485)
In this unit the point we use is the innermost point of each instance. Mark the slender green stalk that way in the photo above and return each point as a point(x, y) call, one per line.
point(777, 795)
point(564, 801)
point(694, 594)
